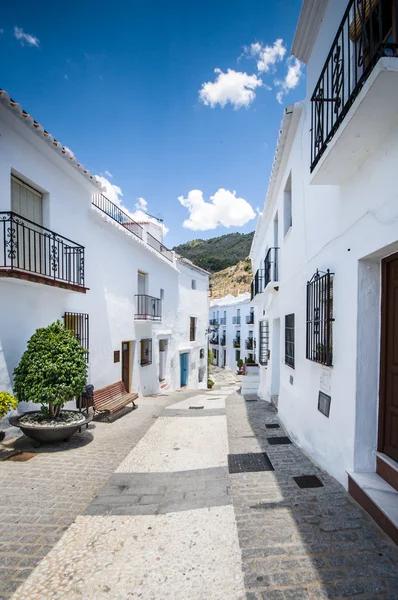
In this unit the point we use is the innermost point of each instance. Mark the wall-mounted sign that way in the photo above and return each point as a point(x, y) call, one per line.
point(324, 403)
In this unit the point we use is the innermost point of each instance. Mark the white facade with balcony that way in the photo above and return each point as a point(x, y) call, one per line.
point(68, 253)
point(330, 359)
point(232, 330)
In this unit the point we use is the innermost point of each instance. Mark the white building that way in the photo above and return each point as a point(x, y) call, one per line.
point(67, 252)
point(325, 253)
point(232, 326)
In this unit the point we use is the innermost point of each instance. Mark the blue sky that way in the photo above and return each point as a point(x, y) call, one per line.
point(120, 85)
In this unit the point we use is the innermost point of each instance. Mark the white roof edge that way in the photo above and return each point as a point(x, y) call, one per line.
point(310, 18)
point(230, 300)
point(291, 114)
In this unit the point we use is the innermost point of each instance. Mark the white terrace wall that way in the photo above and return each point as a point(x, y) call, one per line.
point(346, 229)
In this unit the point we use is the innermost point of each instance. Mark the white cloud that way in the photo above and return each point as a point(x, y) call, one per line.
point(233, 87)
point(26, 38)
point(111, 191)
point(141, 204)
point(292, 78)
point(224, 208)
point(109, 174)
point(268, 56)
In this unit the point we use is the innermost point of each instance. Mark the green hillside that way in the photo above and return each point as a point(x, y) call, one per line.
point(217, 253)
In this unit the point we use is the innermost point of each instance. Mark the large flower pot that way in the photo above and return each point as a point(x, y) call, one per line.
point(49, 434)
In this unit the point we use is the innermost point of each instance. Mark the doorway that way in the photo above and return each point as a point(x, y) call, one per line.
point(388, 396)
point(184, 369)
point(126, 353)
point(162, 359)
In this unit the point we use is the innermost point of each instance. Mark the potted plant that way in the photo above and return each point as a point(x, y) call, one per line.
point(52, 372)
point(239, 364)
point(7, 403)
point(210, 384)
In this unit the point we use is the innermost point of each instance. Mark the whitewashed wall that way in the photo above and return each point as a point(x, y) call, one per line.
point(347, 229)
point(112, 260)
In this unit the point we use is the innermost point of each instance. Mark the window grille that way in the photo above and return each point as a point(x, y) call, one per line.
point(319, 344)
point(77, 323)
point(264, 343)
point(192, 329)
point(146, 351)
point(289, 340)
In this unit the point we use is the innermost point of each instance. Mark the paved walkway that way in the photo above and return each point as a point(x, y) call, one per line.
point(147, 509)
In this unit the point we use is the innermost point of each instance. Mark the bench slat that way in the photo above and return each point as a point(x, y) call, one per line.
point(113, 397)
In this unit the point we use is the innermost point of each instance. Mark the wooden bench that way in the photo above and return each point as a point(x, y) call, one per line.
point(112, 398)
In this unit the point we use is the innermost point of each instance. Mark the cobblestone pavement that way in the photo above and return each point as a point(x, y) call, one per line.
point(40, 498)
point(301, 543)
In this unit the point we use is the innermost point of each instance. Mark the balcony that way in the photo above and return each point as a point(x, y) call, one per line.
point(34, 253)
point(148, 308)
point(223, 340)
point(352, 106)
point(250, 319)
point(214, 340)
point(257, 285)
point(235, 320)
point(158, 246)
point(236, 342)
point(249, 343)
point(213, 322)
point(223, 321)
point(271, 269)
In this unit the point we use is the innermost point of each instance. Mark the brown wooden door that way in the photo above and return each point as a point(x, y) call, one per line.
point(126, 365)
point(388, 416)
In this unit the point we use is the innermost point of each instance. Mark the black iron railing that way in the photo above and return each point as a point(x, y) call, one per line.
point(249, 343)
point(263, 343)
point(250, 319)
point(366, 33)
point(236, 342)
point(319, 346)
point(271, 266)
point(223, 340)
point(157, 245)
point(26, 246)
point(214, 340)
point(213, 322)
point(257, 285)
point(77, 323)
point(223, 321)
point(235, 320)
point(148, 308)
point(117, 214)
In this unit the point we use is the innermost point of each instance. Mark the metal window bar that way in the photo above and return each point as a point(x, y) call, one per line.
point(249, 343)
point(236, 341)
point(236, 320)
point(250, 319)
point(264, 343)
point(157, 245)
point(319, 333)
point(223, 321)
point(366, 33)
point(32, 248)
point(271, 266)
point(148, 308)
point(146, 352)
point(223, 339)
point(78, 324)
point(257, 285)
point(289, 340)
point(117, 214)
point(192, 329)
point(213, 322)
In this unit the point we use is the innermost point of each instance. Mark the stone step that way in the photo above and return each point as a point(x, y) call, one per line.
point(387, 468)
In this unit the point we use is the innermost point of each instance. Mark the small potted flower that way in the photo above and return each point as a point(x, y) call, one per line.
point(7, 403)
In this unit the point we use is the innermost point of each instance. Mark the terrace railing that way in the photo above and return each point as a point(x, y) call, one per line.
point(148, 308)
point(117, 214)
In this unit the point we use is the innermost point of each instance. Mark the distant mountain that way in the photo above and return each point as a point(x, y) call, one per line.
point(217, 253)
point(232, 280)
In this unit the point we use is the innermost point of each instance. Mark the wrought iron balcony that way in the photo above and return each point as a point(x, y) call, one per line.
point(223, 321)
point(157, 245)
point(148, 308)
point(235, 320)
point(213, 322)
point(271, 266)
point(223, 340)
point(250, 319)
point(366, 33)
point(249, 343)
point(39, 253)
point(257, 285)
point(236, 342)
point(214, 340)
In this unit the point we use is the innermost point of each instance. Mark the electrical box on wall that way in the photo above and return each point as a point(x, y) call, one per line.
point(324, 401)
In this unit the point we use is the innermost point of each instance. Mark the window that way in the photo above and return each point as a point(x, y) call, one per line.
point(237, 355)
point(161, 293)
point(264, 343)
point(202, 353)
point(193, 284)
point(146, 351)
point(142, 282)
point(287, 206)
point(289, 340)
point(26, 201)
point(77, 323)
point(319, 346)
point(192, 329)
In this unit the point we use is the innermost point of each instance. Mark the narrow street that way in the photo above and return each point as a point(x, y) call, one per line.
point(146, 508)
